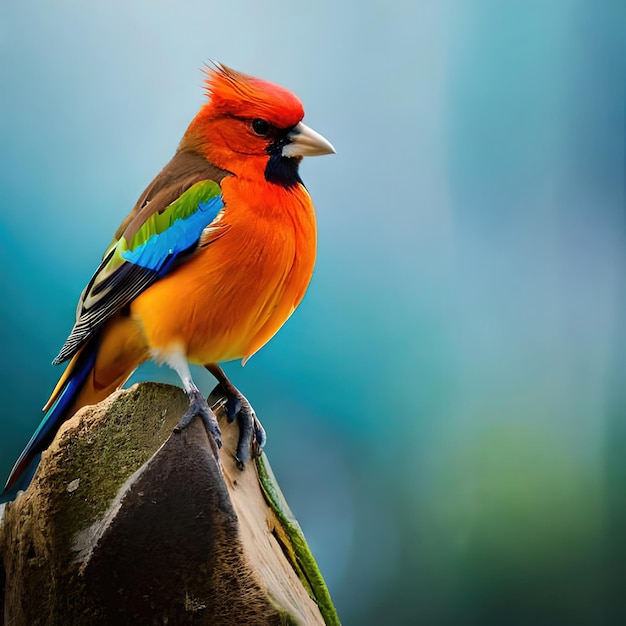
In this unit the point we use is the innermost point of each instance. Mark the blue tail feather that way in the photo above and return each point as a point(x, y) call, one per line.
point(24, 468)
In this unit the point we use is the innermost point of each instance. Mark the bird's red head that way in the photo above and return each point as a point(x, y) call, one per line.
point(239, 95)
point(252, 128)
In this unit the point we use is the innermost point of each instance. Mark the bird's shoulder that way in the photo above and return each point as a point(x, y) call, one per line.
point(183, 171)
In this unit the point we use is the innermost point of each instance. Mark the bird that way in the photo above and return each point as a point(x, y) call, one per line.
point(214, 257)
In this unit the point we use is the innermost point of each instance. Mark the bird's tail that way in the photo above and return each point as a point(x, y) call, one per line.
point(99, 368)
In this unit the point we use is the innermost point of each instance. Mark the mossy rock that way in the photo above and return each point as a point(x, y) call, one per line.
point(126, 522)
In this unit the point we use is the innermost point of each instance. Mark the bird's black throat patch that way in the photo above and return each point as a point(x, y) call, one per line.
point(282, 170)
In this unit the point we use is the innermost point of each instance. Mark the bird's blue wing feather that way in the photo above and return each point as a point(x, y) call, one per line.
point(159, 249)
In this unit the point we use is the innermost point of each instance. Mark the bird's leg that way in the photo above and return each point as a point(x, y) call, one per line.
point(198, 406)
point(251, 432)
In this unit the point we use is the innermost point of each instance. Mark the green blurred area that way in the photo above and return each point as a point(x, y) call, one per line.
point(446, 410)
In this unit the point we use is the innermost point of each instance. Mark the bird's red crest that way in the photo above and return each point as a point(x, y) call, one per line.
point(246, 96)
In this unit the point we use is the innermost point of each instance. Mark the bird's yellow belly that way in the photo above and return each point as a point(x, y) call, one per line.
point(230, 298)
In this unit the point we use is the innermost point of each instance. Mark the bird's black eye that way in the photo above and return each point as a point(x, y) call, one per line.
point(260, 127)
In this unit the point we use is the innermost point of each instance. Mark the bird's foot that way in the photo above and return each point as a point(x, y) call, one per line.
point(198, 406)
point(251, 433)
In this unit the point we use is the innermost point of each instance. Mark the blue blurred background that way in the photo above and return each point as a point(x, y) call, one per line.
point(446, 410)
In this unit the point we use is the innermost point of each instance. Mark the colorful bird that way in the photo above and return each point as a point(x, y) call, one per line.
point(212, 260)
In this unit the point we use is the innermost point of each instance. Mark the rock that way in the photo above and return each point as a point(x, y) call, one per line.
point(126, 522)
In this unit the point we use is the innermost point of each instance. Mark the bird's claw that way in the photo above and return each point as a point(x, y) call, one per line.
point(198, 406)
point(252, 436)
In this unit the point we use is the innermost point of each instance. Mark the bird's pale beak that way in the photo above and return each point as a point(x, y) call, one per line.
point(304, 141)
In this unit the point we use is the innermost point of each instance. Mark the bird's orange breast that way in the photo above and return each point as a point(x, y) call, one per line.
point(234, 293)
